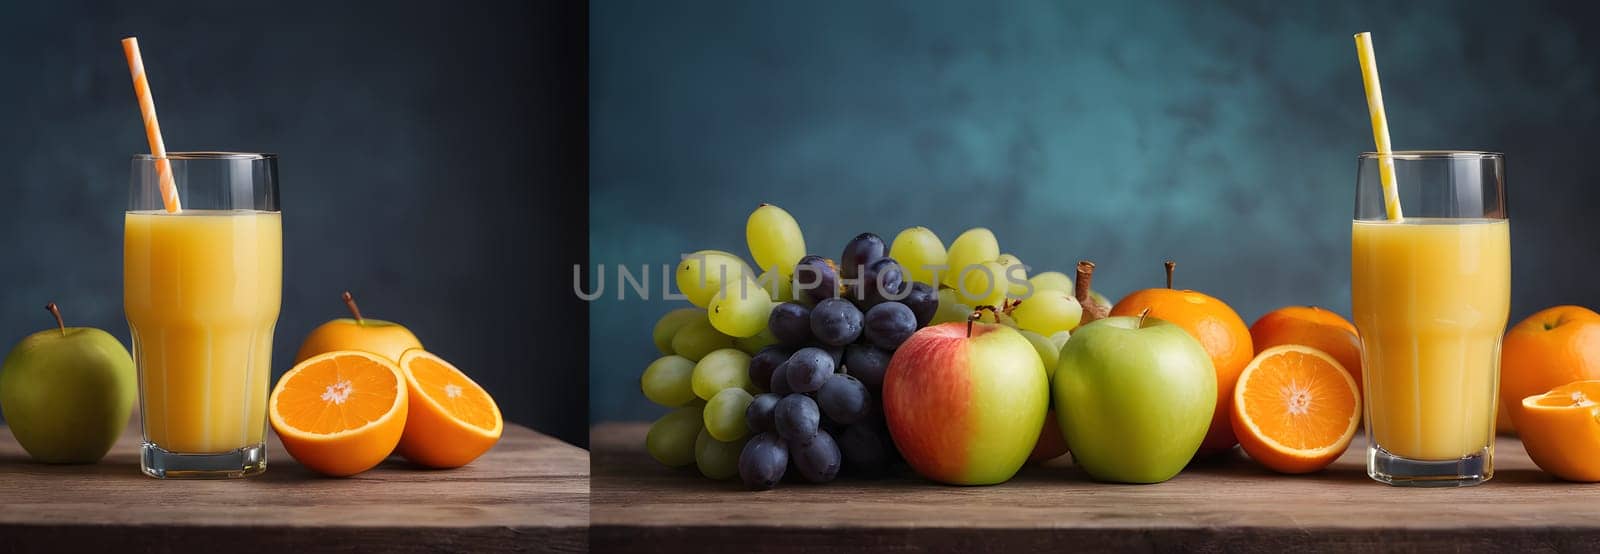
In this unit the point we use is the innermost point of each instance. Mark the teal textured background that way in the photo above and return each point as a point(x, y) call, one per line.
point(1220, 135)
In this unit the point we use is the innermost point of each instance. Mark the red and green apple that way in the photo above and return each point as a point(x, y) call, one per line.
point(965, 402)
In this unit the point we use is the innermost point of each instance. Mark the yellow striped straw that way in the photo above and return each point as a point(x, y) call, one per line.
point(1380, 125)
point(152, 129)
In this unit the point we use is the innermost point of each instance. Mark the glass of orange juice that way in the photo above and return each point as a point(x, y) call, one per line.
point(201, 288)
point(1431, 292)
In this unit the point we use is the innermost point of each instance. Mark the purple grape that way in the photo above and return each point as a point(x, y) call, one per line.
point(817, 458)
point(763, 461)
point(808, 369)
point(759, 414)
point(780, 379)
point(765, 362)
point(923, 300)
point(883, 280)
point(861, 251)
point(844, 399)
point(889, 324)
point(836, 322)
point(790, 323)
point(797, 417)
point(815, 278)
point(867, 363)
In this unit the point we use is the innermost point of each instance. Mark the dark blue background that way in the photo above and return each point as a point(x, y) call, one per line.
point(1223, 135)
point(431, 162)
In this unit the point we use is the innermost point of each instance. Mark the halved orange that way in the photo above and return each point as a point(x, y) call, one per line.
point(1561, 430)
point(1295, 409)
point(340, 413)
point(453, 420)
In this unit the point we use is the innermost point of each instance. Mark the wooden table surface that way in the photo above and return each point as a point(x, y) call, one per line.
point(1223, 505)
point(529, 493)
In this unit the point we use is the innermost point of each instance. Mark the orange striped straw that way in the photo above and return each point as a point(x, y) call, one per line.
point(152, 129)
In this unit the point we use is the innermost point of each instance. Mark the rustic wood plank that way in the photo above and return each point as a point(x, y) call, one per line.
point(1229, 504)
point(529, 493)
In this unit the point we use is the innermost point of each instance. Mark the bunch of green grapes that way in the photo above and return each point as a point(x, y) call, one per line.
point(978, 274)
point(704, 373)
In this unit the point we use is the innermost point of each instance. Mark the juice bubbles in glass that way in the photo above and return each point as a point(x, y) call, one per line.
point(1431, 295)
point(202, 289)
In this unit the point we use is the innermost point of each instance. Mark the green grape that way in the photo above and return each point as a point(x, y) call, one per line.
point(717, 459)
point(1051, 280)
point(724, 414)
point(701, 274)
point(669, 325)
point(973, 247)
point(753, 344)
point(698, 338)
point(916, 249)
point(1048, 312)
point(1015, 276)
point(982, 285)
point(775, 239)
point(671, 438)
point(1049, 353)
point(726, 368)
point(740, 309)
point(779, 287)
point(666, 381)
point(950, 308)
point(1060, 339)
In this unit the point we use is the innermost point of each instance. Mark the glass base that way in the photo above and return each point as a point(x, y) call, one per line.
point(1467, 471)
point(244, 462)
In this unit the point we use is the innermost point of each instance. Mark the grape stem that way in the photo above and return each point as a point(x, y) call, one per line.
point(350, 302)
point(977, 313)
point(1170, 266)
point(51, 307)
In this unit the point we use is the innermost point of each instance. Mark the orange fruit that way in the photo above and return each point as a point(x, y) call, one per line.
point(384, 338)
point(452, 420)
point(340, 413)
point(1295, 409)
point(1561, 430)
point(1314, 327)
point(1220, 331)
point(1550, 348)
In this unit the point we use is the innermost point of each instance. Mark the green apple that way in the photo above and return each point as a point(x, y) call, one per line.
point(965, 402)
point(1134, 398)
point(67, 393)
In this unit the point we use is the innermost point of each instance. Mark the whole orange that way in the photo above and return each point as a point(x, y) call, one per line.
point(1220, 331)
point(384, 338)
point(1550, 348)
point(1314, 327)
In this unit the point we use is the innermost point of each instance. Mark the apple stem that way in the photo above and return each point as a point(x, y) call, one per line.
point(977, 313)
point(1170, 266)
point(1092, 310)
point(57, 312)
point(1145, 313)
point(350, 302)
point(1080, 289)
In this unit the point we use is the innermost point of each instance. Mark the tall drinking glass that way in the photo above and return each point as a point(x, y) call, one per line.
point(201, 288)
point(1431, 292)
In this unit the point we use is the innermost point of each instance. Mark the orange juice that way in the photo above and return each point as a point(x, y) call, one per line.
point(201, 292)
point(1431, 298)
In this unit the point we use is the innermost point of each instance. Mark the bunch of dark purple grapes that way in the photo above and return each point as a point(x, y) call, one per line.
point(824, 379)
